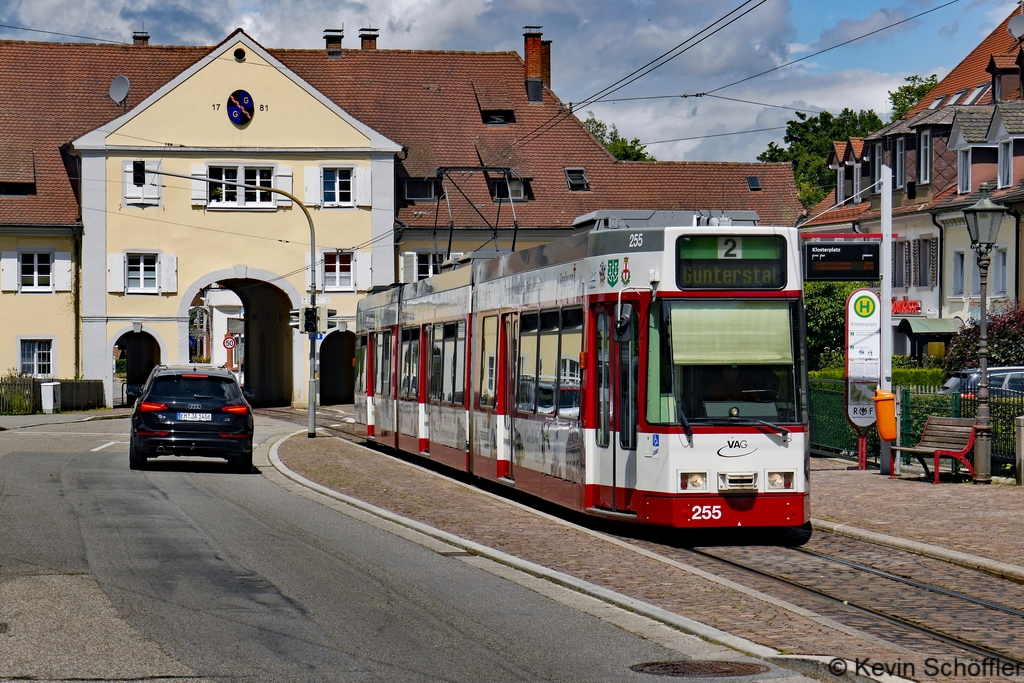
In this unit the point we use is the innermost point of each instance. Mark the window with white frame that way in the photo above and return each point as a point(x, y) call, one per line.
point(140, 272)
point(963, 170)
point(141, 183)
point(926, 263)
point(901, 162)
point(428, 265)
point(855, 171)
point(976, 93)
point(924, 157)
point(876, 167)
point(957, 283)
point(337, 187)
point(419, 190)
point(503, 189)
point(899, 264)
point(37, 357)
point(223, 195)
point(999, 262)
point(840, 184)
point(1006, 163)
point(36, 271)
point(338, 272)
point(975, 279)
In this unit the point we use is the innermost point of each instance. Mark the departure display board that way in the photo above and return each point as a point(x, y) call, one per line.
point(844, 261)
point(731, 262)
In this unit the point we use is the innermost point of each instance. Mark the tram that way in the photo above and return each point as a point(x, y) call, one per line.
point(650, 368)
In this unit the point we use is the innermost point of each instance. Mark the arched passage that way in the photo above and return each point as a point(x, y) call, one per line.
point(337, 375)
point(141, 353)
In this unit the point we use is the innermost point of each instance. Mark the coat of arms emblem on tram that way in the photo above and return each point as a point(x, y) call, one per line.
point(625, 270)
point(613, 272)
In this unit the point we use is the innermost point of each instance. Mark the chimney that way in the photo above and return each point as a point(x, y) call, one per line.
point(534, 64)
point(368, 38)
point(332, 38)
point(545, 63)
point(140, 38)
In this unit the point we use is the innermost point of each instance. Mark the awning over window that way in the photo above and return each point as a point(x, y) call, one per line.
point(929, 326)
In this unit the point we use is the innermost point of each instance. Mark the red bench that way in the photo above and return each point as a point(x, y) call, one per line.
point(942, 437)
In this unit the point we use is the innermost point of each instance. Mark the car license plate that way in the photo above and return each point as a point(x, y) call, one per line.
point(195, 417)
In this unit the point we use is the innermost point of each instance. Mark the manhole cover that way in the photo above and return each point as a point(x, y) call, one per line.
point(697, 669)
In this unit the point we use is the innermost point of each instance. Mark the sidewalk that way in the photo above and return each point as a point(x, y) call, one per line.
point(22, 421)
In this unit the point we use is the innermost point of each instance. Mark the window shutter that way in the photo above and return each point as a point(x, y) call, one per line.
point(9, 271)
point(62, 271)
point(409, 266)
point(908, 247)
point(311, 177)
point(132, 193)
point(363, 194)
point(361, 267)
point(934, 271)
point(917, 263)
point(168, 273)
point(283, 181)
point(199, 186)
point(151, 190)
point(115, 273)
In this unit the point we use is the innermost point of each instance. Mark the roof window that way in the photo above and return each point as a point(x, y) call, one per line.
point(498, 117)
point(955, 98)
point(976, 94)
point(754, 183)
point(577, 179)
point(937, 102)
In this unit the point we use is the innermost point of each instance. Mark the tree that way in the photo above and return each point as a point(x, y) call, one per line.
point(906, 96)
point(809, 140)
point(1005, 341)
point(620, 147)
point(826, 321)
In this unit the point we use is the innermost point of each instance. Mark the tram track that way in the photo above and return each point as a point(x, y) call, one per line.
point(848, 604)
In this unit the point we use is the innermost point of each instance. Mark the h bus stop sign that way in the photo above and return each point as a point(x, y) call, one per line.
point(863, 356)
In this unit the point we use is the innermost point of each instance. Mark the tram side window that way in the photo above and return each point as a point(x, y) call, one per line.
point(459, 366)
point(383, 364)
point(448, 371)
point(361, 365)
point(488, 361)
point(547, 363)
point(436, 362)
point(569, 364)
point(526, 397)
point(410, 363)
point(629, 368)
point(604, 407)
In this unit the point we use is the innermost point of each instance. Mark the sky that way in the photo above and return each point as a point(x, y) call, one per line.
point(597, 42)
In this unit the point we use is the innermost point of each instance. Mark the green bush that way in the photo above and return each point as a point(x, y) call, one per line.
point(830, 373)
point(917, 377)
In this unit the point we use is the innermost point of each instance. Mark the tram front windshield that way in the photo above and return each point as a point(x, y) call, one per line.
point(723, 362)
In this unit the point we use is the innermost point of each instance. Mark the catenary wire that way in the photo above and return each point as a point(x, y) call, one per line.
point(66, 35)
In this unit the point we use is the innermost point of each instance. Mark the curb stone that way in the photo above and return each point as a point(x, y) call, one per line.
point(813, 665)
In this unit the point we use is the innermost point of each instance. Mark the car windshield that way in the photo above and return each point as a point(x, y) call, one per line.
point(194, 386)
point(720, 360)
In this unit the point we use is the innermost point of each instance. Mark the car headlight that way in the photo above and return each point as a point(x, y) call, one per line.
point(693, 481)
point(780, 480)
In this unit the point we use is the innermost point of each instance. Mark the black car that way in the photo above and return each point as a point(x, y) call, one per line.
point(191, 410)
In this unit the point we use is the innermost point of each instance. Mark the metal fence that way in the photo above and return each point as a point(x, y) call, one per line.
point(16, 396)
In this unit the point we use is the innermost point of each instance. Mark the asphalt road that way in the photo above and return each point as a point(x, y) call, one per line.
point(189, 571)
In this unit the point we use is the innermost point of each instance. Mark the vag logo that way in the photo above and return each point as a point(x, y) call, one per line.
point(735, 448)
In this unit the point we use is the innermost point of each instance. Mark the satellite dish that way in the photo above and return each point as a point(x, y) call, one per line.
point(120, 85)
point(1016, 27)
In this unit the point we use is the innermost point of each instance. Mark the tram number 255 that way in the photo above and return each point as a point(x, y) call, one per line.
point(706, 512)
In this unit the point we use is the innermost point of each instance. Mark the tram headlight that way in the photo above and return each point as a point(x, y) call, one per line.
point(693, 481)
point(780, 480)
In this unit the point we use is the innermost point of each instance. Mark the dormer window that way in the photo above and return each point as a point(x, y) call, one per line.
point(937, 102)
point(901, 162)
point(498, 117)
point(753, 183)
point(955, 98)
point(502, 189)
point(577, 179)
point(419, 190)
point(976, 94)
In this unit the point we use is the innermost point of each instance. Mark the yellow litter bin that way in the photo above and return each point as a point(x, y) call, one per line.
point(885, 414)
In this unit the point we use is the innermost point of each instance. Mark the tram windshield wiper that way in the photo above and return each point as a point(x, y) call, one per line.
point(753, 420)
point(686, 423)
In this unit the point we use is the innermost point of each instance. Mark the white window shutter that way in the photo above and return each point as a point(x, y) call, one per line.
point(154, 182)
point(311, 177)
point(168, 273)
point(62, 271)
point(132, 194)
point(115, 273)
point(283, 181)
point(364, 276)
point(363, 195)
point(199, 185)
point(409, 266)
point(9, 271)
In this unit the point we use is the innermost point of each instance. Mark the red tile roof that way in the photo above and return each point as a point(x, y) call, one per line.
point(428, 101)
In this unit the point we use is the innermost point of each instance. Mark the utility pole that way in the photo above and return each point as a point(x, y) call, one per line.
point(885, 381)
point(311, 397)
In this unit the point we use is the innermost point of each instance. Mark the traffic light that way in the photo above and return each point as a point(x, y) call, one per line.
point(295, 318)
point(309, 319)
point(323, 314)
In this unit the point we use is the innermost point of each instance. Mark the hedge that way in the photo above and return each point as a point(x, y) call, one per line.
point(901, 377)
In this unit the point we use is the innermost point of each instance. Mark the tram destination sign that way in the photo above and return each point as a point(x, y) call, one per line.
point(847, 261)
point(731, 262)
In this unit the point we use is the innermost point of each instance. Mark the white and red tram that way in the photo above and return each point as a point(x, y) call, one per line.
point(651, 368)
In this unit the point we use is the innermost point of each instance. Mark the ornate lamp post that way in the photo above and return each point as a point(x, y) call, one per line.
point(983, 221)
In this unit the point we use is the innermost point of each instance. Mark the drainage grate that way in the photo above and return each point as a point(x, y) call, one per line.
point(700, 669)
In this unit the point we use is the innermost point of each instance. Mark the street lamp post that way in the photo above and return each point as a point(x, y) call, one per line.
point(983, 221)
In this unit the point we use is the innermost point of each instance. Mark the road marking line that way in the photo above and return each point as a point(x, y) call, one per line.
point(100, 448)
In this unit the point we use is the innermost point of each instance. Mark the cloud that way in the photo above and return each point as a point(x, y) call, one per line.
point(848, 29)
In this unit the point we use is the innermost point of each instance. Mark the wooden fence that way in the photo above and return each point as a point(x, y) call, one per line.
point(23, 396)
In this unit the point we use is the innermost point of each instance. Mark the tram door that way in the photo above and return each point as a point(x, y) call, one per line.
point(615, 377)
point(509, 368)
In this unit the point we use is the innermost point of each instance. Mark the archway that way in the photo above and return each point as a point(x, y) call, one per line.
point(141, 353)
point(337, 375)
